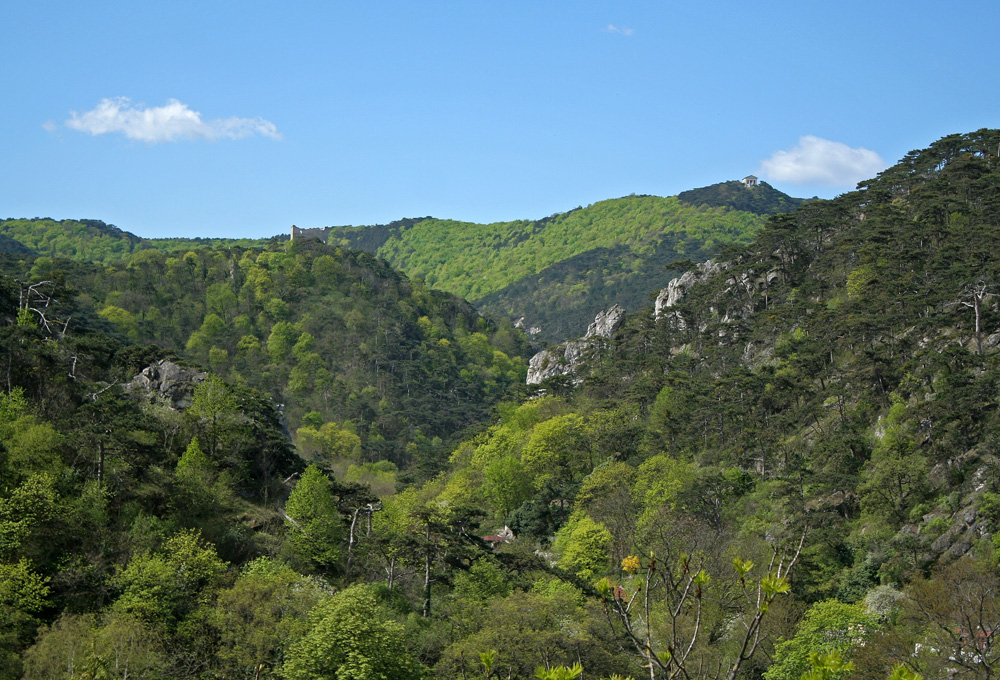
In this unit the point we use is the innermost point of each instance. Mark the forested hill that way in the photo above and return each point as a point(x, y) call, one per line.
point(92, 240)
point(840, 380)
point(794, 466)
point(559, 271)
point(556, 273)
point(9, 245)
point(354, 350)
point(762, 198)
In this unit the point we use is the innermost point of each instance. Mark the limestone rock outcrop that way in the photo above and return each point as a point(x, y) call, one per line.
point(606, 323)
point(678, 288)
point(565, 359)
point(165, 378)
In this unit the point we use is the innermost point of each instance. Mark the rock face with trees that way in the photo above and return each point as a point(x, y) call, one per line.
point(565, 359)
point(789, 471)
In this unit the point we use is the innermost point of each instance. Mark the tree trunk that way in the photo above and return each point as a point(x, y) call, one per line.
point(350, 544)
point(427, 574)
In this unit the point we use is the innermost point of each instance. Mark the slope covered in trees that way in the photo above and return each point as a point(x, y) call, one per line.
point(354, 351)
point(561, 300)
point(839, 378)
point(583, 258)
point(761, 199)
point(91, 240)
point(794, 466)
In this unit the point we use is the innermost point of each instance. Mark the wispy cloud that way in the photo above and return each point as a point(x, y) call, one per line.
point(166, 123)
point(611, 28)
point(818, 161)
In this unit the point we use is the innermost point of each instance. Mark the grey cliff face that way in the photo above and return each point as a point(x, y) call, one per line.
point(565, 359)
point(606, 323)
point(678, 288)
point(169, 380)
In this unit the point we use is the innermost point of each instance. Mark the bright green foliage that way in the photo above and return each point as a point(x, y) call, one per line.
point(12, 405)
point(788, 392)
point(532, 629)
point(30, 445)
point(161, 587)
point(315, 529)
point(23, 510)
point(560, 271)
point(261, 615)
point(94, 241)
point(351, 637)
point(78, 646)
point(485, 581)
point(201, 496)
point(470, 247)
point(281, 341)
point(23, 594)
point(827, 666)
point(584, 546)
point(559, 672)
point(772, 584)
point(506, 485)
point(329, 444)
point(123, 319)
point(556, 451)
point(194, 464)
point(380, 477)
point(488, 658)
point(221, 301)
point(827, 627)
point(658, 484)
point(128, 646)
point(62, 649)
point(859, 279)
point(347, 346)
point(901, 672)
point(215, 408)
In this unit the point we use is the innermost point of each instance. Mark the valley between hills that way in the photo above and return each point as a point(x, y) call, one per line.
point(324, 458)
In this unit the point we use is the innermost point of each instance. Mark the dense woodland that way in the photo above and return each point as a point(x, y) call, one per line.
point(761, 198)
point(790, 473)
point(558, 272)
point(560, 301)
point(348, 346)
point(93, 240)
point(553, 274)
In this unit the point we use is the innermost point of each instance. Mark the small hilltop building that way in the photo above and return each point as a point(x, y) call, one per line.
point(749, 181)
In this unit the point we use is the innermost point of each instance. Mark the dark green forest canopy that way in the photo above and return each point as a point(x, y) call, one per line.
point(761, 199)
point(852, 341)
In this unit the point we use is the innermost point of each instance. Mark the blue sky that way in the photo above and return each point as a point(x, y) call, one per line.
point(242, 118)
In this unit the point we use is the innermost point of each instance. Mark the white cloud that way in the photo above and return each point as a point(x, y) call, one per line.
point(818, 161)
point(164, 123)
point(611, 28)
